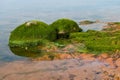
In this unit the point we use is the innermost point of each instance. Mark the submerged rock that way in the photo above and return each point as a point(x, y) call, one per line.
point(86, 22)
point(118, 62)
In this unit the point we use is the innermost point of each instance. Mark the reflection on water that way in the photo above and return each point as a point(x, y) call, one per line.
point(32, 53)
point(29, 52)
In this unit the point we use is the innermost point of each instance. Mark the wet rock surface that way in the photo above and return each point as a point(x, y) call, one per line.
point(82, 67)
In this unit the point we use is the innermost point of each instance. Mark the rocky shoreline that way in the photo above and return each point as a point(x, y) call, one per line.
point(72, 61)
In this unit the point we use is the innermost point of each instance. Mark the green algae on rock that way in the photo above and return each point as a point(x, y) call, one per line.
point(98, 41)
point(31, 33)
point(64, 27)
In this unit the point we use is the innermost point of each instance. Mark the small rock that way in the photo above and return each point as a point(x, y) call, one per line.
point(104, 55)
point(65, 56)
point(118, 62)
point(117, 77)
point(110, 62)
point(89, 57)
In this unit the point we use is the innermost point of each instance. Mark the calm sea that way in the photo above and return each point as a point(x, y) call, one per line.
point(15, 12)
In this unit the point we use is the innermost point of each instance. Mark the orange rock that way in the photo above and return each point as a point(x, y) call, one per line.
point(89, 57)
point(117, 77)
point(118, 69)
point(118, 62)
point(65, 56)
point(104, 55)
point(110, 61)
point(84, 56)
point(100, 58)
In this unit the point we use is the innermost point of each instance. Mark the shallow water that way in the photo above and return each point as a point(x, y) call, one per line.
point(15, 12)
point(51, 70)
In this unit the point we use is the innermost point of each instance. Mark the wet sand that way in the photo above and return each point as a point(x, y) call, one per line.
point(82, 68)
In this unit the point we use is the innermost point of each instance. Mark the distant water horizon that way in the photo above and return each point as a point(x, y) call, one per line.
point(16, 12)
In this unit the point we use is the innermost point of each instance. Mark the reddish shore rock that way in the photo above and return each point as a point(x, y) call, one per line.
point(65, 56)
point(117, 76)
point(118, 62)
point(84, 56)
point(104, 55)
point(109, 61)
point(89, 57)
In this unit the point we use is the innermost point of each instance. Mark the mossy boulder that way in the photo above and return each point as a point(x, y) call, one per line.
point(31, 33)
point(64, 27)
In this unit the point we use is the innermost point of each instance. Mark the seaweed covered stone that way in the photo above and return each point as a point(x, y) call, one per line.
point(64, 27)
point(31, 33)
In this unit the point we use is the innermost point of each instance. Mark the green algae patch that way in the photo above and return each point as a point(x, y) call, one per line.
point(64, 27)
point(31, 33)
point(98, 41)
